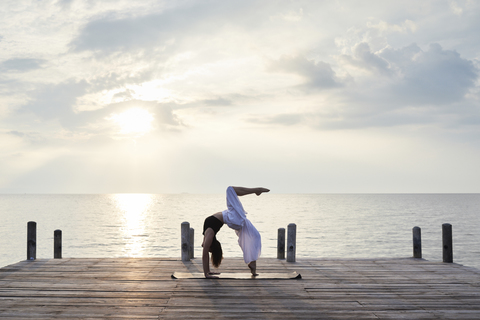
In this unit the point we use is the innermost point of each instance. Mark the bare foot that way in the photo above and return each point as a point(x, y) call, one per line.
point(261, 190)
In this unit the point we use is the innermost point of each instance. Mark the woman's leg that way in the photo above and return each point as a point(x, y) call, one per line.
point(241, 191)
point(253, 267)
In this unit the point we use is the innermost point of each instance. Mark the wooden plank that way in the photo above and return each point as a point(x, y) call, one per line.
point(141, 288)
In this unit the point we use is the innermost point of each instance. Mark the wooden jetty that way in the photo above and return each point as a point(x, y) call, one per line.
point(142, 288)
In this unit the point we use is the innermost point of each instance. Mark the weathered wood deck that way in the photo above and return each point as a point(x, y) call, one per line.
point(141, 288)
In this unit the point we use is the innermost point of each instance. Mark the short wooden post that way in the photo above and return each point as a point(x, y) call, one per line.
point(281, 243)
point(31, 240)
point(185, 240)
point(291, 242)
point(417, 242)
point(57, 244)
point(447, 242)
point(191, 243)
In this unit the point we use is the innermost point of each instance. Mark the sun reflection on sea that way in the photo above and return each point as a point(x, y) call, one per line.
point(134, 208)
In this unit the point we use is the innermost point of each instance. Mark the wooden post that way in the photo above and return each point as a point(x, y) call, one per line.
point(31, 240)
point(57, 244)
point(191, 242)
point(291, 242)
point(185, 240)
point(447, 242)
point(281, 243)
point(417, 242)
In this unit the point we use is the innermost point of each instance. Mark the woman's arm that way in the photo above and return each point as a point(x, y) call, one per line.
point(207, 242)
point(242, 191)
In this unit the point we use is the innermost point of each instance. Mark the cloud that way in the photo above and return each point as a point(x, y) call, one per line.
point(110, 35)
point(164, 115)
point(198, 68)
point(65, 3)
point(16, 133)
point(218, 102)
point(166, 118)
point(113, 33)
point(124, 95)
point(456, 9)
point(30, 136)
point(384, 27)
point(365, 59)
point(414, 77)
point(55, 105)
point(286, 119)
point(405, 86)
point(21, 64)
point(214, 26)
point(354, 118)
point(55, 101)
point(435, 76)
point(317, 75)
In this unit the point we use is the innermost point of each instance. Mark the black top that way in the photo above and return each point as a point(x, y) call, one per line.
point(212, 222)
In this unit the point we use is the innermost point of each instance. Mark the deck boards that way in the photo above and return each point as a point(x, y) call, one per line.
point(142, 288)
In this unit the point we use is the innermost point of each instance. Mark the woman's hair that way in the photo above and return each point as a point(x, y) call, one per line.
point(217, 253)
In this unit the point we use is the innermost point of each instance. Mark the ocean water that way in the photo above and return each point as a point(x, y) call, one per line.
point(328, 225)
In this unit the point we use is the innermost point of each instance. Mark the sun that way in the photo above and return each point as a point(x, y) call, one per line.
point(135, 121)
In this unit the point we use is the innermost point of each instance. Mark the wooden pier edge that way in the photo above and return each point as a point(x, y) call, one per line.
point(142, 288)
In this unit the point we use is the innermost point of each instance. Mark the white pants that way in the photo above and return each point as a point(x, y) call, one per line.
point(235, 217)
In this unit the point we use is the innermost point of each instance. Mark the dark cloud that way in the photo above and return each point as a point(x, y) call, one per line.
point(109, 34)
point(415, 87)
point(21, 65)
point(435, 76)
point(317, 75)
point(365, 59)
point(432, 77)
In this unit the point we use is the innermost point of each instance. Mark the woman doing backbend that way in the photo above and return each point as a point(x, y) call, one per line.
point(235, 217)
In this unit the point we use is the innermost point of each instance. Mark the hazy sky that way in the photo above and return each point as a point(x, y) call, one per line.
point(192, 96)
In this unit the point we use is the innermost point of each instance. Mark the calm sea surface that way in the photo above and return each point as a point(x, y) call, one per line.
point(328, 225)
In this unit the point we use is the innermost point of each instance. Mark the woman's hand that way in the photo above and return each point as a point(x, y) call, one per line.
point(207, 242)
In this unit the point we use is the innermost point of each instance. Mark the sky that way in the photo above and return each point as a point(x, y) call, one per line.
point(187, 96)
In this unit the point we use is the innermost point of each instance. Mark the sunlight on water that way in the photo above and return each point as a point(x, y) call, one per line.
point(133, 208)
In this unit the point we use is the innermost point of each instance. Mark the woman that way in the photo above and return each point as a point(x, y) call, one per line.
point(235, 217)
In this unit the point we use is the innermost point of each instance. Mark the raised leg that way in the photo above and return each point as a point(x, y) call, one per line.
point(242, 191)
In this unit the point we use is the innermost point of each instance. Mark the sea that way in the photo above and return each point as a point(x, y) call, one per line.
point(342, 226)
